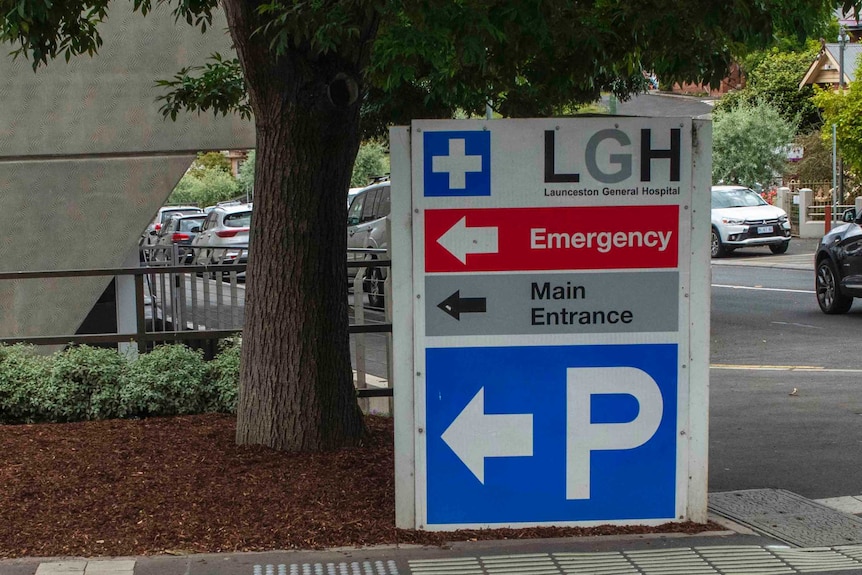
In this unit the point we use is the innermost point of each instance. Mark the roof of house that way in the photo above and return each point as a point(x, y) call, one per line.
point(659, 104)
point(825, 69)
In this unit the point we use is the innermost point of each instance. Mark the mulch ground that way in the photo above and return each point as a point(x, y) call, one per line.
point(181, 485)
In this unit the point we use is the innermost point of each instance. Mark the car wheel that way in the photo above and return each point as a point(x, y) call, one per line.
point(779, 248)
point(717, 249)
point(373, 286)
point(829, 295)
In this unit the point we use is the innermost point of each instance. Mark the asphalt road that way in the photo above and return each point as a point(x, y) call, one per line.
point(769, 338)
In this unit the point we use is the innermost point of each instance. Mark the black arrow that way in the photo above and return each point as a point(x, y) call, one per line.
point(455, 305)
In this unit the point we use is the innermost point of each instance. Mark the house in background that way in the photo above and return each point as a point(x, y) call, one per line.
point(236, 158)
point(824, 71)
point(734, 80)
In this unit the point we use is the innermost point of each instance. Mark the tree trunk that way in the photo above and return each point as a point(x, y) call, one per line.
point(296, 383)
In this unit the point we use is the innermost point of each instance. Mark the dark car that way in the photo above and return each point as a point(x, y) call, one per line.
point(838, 263)
point(179, 231)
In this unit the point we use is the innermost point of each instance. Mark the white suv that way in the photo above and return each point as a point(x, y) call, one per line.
point(223, 236)
point(742, 219)
point(366, 229)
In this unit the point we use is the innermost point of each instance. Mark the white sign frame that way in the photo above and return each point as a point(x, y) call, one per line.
point(409, 310)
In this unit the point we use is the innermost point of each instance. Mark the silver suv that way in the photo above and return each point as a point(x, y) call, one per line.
point(223, 237)
point(366, 229)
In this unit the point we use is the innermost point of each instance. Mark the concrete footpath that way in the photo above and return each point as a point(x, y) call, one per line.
point(783, 520)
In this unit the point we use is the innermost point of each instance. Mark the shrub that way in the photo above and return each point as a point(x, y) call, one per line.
point(211, 186)
point(22, 374)
point(370, 161)
point(170, 380)
point(224, 377)
point(84, 383)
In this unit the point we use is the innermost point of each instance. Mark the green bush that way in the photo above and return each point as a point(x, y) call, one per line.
point(84, 383)
point(224, 377)
point(170, 380)
point(211, 186)
point(22, 391)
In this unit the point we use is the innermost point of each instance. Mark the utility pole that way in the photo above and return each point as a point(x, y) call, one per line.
point(843, 38)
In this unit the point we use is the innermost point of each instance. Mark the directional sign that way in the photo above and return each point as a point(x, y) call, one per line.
point(552, 303)
point(507, 435)
point(464, 240)
point(459, 240)
point(455, 305)
point(547, 266)
point(557, 437)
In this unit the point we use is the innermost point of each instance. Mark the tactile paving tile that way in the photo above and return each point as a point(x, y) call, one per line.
point(788, 517)
point(718, 560)
point(342, 568)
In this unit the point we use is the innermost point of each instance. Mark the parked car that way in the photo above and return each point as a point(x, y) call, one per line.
point(178, 230)
point(165, 212)
point(366, 229)
point(838, 265)
point(223, 236)
point(743, 219)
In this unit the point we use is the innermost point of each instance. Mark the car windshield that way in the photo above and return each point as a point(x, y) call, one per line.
point(739, 198)
point(238, 220)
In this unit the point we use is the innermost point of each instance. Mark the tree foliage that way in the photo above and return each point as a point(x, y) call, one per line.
point(205, 186)
point(748, 144)
point(816, 162)
point(209, 160)
point(245, 175)
point(371, 161)
point(845, 111)
point(775, 79)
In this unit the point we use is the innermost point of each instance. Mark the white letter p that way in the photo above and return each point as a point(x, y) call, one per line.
point(583, 437)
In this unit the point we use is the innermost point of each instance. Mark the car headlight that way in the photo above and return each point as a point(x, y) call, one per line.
point(732, 221)
point(782, 219)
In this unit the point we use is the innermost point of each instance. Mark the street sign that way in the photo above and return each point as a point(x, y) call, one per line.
point(550, 321)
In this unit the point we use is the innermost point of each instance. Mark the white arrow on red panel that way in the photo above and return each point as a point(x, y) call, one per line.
point(459, 240)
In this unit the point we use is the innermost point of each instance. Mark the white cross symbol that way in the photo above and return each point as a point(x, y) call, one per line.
point(457, 164)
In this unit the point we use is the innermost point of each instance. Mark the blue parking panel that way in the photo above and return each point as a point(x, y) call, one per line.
point(551, 433)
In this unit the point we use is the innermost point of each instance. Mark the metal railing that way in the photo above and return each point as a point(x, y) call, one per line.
point(817, 211)
point(175, 301)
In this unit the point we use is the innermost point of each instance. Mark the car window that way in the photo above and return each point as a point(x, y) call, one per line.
point(383, 206)
point(238, 220)
point(187, 224)
point(369, 211)
point(210, 221)
point(172, 213)
point(741, 198)
point(355, 211)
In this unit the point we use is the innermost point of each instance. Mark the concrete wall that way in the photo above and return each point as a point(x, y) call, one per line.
point(86, 159)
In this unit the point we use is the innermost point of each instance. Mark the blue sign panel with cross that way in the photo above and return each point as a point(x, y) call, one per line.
point(458, 163)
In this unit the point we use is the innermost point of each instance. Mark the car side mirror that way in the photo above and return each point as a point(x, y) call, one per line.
point(849, 215)
point(196, 230)
point(352, 221)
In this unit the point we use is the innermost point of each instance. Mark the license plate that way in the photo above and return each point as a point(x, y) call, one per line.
point(764, 229)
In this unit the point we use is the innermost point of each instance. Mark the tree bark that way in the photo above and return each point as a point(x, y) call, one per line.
point(296, 384)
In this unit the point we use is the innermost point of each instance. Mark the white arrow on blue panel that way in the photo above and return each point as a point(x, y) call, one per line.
point(474, 435)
